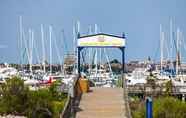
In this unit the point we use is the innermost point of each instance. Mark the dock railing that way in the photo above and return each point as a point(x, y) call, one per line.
point(67, 109)
point(126, 98)
point(74, 95)
point(157, 89)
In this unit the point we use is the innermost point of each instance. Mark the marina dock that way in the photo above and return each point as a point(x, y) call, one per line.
point(102, 103)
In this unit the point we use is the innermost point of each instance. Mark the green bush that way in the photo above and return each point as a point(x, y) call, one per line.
point(137, 108)
point(168, 87)
point(169, 107)
point(57, 107)
point(164, 107)
point(14, 96)
point(40, 99)
point(119, 83)
point(19, 100)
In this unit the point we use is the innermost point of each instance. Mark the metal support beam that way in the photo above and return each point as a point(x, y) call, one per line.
point(79, 60)
point(79, 52)
point(123, 62)
point(123, 65)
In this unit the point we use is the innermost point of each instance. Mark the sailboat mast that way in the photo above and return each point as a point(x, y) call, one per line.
point(57, 49)
point(178, 50)
point(26, 46)
point(96, 56)
point(50, 38)
point(30, 49)
point(21, 39)
point(32, 45)
point(171, 44)
point(77, 33)
point(108, 61)
point(161, 47)
point(100, 57)
point(180, 44)
point(90, 50)
point(43, 48)
point(74, 44)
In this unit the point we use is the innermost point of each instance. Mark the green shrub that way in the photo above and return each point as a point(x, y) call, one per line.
point(164, 107)
point(18, 99)
point(38, 100)
point(14, 96)
point(169, 107)
point(119, 83)
point(57, 107)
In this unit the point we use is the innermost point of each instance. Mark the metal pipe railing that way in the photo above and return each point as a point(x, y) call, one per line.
point(126, 99)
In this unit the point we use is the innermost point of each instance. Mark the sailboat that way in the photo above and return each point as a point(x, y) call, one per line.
point(7, 72)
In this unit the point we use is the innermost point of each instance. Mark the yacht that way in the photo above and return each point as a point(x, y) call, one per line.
point(6, 73)
point(138, 76)
point(101, 78)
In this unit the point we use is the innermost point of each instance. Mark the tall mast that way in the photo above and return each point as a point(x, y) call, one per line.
point(21, 38)
point(108, 61)
point(96, 28)
point(171, 44)
point(74, 39)
point(26, 43)
point(171, 38)
point(178, 50)
point(161, 46)
point(57, 49)
point(100, 57)
point(180, 44)
point(63, 54)
point(29, 44)
point(31, 38)
point(74, 44)
point(96, 56)
point(43, 48)
point(78, 27)
point(50, 38)
point(77, 33)
point(90, 49)
point(35, 48)
point(32, 45)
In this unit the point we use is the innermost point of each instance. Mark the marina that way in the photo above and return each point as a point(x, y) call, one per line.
point(72, 59)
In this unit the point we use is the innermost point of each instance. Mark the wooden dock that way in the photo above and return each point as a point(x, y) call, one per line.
point(102, 103)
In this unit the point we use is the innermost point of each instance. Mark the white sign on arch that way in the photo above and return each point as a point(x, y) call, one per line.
point(101, 40)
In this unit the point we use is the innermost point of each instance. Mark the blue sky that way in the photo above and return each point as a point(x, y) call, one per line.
point(139, 19)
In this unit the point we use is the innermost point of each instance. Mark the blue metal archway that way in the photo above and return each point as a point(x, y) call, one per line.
point(102, 41)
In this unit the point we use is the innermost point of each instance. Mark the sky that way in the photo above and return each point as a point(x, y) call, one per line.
point(138, 19)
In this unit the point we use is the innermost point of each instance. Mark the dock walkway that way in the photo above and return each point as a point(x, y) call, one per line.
point(102, 103)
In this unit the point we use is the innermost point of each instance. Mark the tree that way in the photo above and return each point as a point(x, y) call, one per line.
point(115, 61)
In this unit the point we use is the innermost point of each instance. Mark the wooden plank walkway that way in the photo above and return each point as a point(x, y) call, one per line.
point(102, 103)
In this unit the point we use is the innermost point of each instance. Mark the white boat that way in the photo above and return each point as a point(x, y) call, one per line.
point(6, 73)
point(31, 82)
point(138, 76)
point(101, 78)
point(9, 71)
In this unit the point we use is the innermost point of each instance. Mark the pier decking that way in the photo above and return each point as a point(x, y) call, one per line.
point(102, 103)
